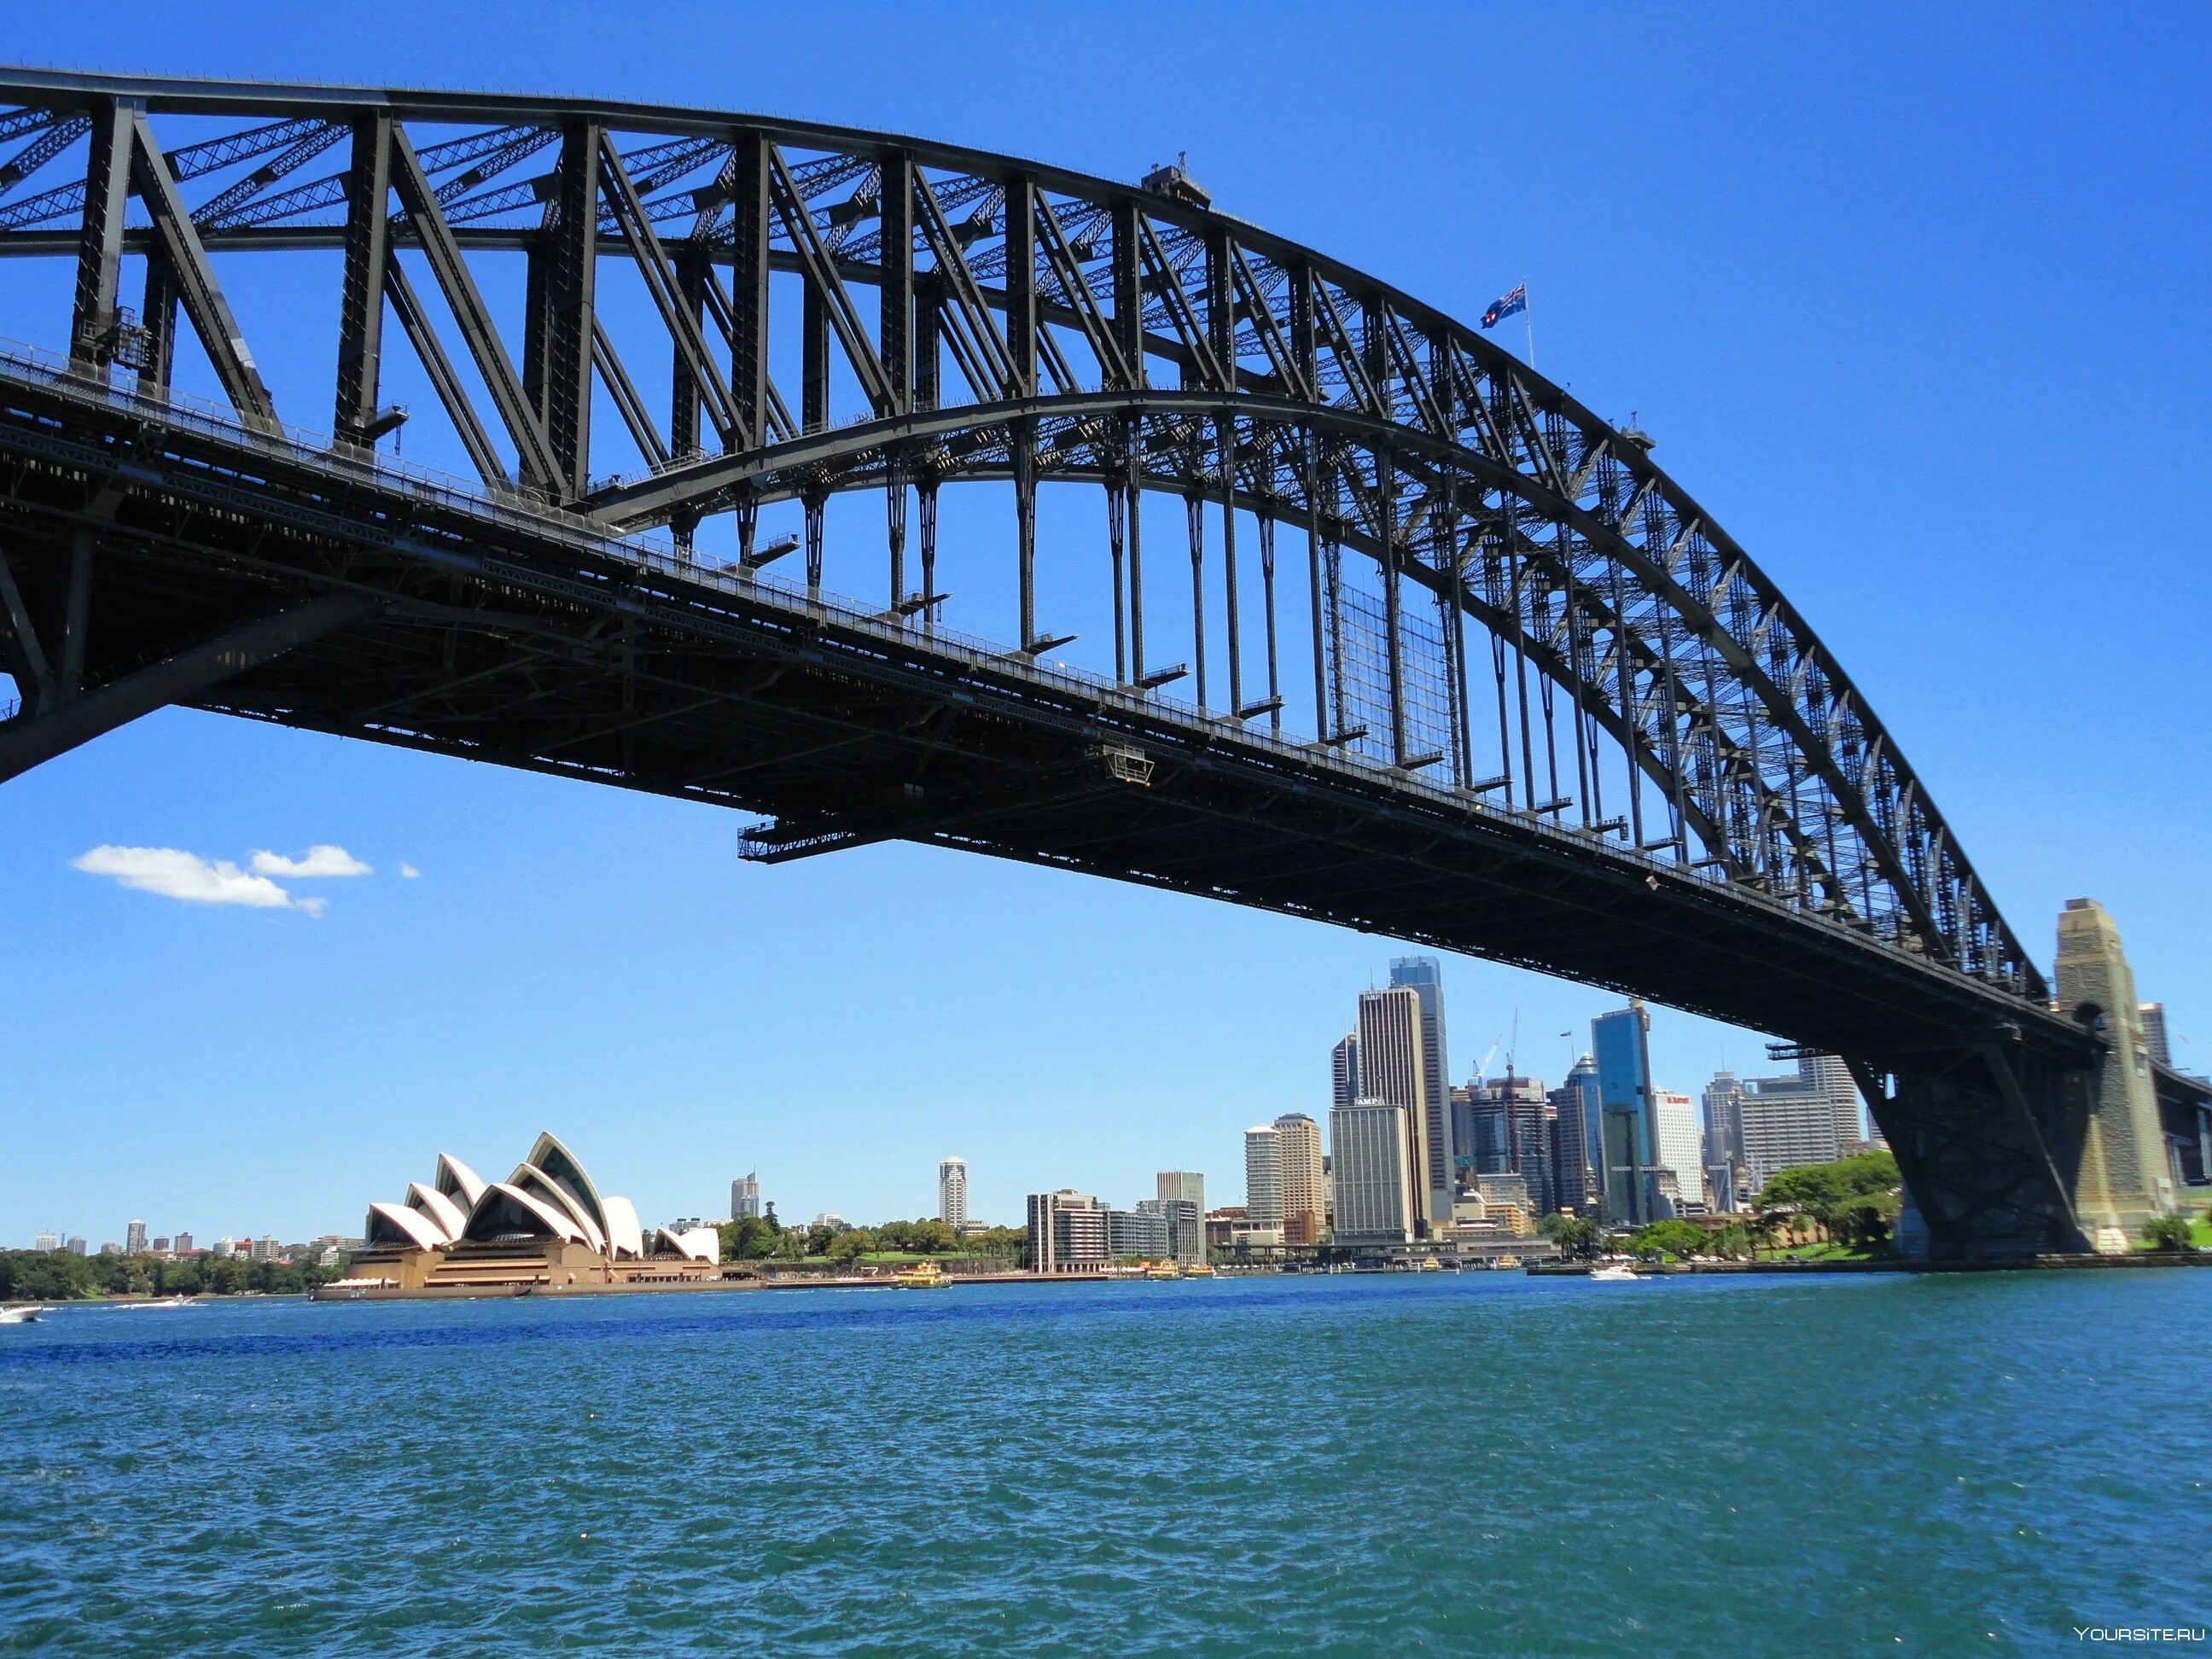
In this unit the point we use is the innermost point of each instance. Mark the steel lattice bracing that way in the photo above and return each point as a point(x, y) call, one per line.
point(1488, 603)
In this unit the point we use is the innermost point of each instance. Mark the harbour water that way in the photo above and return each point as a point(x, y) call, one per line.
point(1485, 1464)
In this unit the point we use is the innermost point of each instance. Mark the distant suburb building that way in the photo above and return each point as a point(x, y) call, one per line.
point(1393, 1068)
point(1367, 1145)
point(952, 1192)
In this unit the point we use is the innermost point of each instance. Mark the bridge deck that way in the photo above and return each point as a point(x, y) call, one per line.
point(509, 632)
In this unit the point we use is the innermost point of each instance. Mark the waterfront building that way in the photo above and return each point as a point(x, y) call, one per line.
point(1368, 1147)
point(1513, 1135)
point(952, 1192)
point(1344, 1071)
point(184, 1245)
point(546, 1226)
point(1141, 1233)
point(1068, 1232)
point(1263, 1176)
point(2152, 1015)
point(1581, 1078)
point(1423, 976)
point(1298, 1178)
point(134, 1239)
point(1828, 1076)
point(744, 1197)
point(76, 1245)
point(1620, 1041)
point(46, 1241)
point(1186, 1229)
point(1786, 1122)
point(1393, 1068)
point(1680, 1146)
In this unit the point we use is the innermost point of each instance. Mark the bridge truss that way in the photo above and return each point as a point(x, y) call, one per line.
point(1507, 688)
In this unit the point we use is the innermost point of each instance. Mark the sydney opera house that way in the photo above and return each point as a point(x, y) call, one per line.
point(544, 1227)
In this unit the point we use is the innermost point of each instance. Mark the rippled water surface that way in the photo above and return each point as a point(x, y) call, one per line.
point(1476, 1465)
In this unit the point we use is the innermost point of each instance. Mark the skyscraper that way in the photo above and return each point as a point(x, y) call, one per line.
point(1371, 1166)
point(1681, 1146)
point(1828, 1077)
point(1620, 1041)
point(1180, 1183)
point(1423, 976)
point(1263, 1176)
point(744, 1197)
point(1392, 1068)
point(47, 1242)
point(184, 1243)
point(2154, 1026)
point(952, 1192)
point(1298, 1160)
point(1344, 1071)
point(134, 1239)
point(1724, 1108)
point(1571, 1166)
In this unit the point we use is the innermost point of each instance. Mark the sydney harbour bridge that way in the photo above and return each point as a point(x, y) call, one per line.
point(1256, 578)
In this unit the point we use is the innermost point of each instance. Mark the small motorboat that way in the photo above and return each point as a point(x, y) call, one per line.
point(1612, 1273)
point(24, 1315)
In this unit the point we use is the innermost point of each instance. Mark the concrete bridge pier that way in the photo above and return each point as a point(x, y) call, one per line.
point(2011, 1151)
point(2124, 1178)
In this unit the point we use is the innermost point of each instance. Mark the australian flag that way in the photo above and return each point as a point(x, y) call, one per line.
point(1505, 304)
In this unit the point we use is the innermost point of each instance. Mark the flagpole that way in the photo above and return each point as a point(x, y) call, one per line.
point(1528, 324)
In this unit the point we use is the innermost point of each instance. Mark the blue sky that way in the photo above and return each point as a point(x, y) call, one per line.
point(1910, 297)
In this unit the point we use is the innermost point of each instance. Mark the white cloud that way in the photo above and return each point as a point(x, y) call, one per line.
point(179, 875)
point(321, 861)
point(409, 871)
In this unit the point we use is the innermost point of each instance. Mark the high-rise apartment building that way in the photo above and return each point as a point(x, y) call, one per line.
point(744, 1197)
point(184, 1243)
point(1628, 1141)
point(1786, 1122)
point(1183, 1202)
point(1828, 1077)
point(1344, 1071)
point(1393, 1068)
point(134, 1239)
point(76, 1245)
point(1424, 976)
point(1263, 1176)
point(46, 1241)
point(160, 1246)
point(1140, 1234)
point(265, 1247)
point(952, 1192)
point(1372, 1170)
point(1068, 1232)
point(1681, 1144)
point(1298, 1178)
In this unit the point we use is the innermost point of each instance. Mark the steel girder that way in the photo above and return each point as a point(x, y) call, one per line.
point(1024, 314)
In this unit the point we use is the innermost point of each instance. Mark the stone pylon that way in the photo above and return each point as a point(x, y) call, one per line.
point(2124, 1178)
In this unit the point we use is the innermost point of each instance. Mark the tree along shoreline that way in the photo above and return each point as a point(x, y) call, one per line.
point(65, 1276)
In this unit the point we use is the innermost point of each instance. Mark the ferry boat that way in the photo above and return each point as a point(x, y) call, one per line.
point(1509, 1261)
point(922, 1276)
point(1163, 1270)
point(1199, 1270)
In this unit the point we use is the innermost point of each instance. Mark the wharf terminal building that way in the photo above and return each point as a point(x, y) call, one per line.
point(545, 1227)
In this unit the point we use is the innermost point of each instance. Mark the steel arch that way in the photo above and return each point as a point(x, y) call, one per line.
point(997, 320)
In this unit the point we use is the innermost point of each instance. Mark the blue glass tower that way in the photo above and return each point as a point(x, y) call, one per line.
point(1627, 1138)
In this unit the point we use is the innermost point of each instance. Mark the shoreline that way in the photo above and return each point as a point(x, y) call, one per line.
point(1894, 1265)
